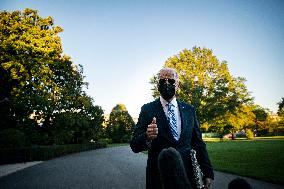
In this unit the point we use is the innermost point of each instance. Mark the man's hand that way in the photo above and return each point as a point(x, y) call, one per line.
point(207, 183)
point(152, 130)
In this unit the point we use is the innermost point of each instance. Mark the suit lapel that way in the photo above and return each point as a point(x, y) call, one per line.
point(183, 119)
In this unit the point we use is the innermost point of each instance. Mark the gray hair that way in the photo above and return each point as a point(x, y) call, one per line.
point(170, 71)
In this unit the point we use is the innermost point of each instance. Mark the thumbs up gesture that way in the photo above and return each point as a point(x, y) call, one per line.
point(152, 130)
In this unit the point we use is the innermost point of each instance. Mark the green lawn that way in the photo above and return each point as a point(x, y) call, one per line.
point(260, 159)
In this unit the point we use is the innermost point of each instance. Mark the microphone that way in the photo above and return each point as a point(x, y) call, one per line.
point(172, 170)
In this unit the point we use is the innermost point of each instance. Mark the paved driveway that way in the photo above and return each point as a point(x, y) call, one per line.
point(117, 168)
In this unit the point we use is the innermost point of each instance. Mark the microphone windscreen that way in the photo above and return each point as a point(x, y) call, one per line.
point(172, 170)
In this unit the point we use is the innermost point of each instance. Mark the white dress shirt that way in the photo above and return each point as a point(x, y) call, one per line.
point(176, 110)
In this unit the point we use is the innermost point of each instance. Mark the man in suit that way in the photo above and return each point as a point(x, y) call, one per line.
point(168, 122)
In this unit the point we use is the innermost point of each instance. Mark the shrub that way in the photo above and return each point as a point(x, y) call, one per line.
point(249, 134)
point(210, 135)
point(12, 138)
point(105, 140)
point(37, 153)
point(126, 139)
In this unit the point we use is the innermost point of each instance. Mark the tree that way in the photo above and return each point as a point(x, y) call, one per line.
point(243, 118)
point(261, 119)
point(39, 84)
point(207, 84)
point(79, 126)
point(120, 124)
point(280, 111)
point(261, 114)
point(29, 45)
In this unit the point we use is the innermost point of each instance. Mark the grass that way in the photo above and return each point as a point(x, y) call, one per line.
point(260, 159)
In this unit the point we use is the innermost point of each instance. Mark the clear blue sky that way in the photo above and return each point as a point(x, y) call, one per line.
point(121, 44)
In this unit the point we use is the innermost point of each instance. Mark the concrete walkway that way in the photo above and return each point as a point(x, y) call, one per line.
point(11, 168)
point(116, 168)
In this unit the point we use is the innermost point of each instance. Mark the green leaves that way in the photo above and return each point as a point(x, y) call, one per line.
point(36, 78)
point(120, 124)
point(280, 111)
point(207, 84)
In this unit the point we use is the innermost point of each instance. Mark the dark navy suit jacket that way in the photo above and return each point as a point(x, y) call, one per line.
point(190, 138)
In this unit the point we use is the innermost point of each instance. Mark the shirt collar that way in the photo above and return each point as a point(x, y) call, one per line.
point(164, 102)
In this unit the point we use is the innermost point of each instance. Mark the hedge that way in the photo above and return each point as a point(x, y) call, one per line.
point(41, 153)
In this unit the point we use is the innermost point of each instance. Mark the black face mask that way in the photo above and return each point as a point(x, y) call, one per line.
point(167, 91)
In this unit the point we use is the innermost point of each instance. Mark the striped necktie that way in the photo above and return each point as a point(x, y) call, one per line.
point(172, 119)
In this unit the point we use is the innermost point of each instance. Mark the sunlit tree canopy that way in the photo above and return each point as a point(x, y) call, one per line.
point(39, 85)
point(206, 83)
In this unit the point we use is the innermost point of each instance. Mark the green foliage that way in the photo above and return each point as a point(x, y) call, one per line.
point(280, 125)
point(105, 140)
point(242, 118)
point(280, 111)
point(120, 124)
point(249, 134)
point(262, 120)
point(207, 84)
point(41, 153)
point(210, 135)
point(41, 90)
point(261, 114)
point(12, 138)
point(78, 127)
point(29, 48)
